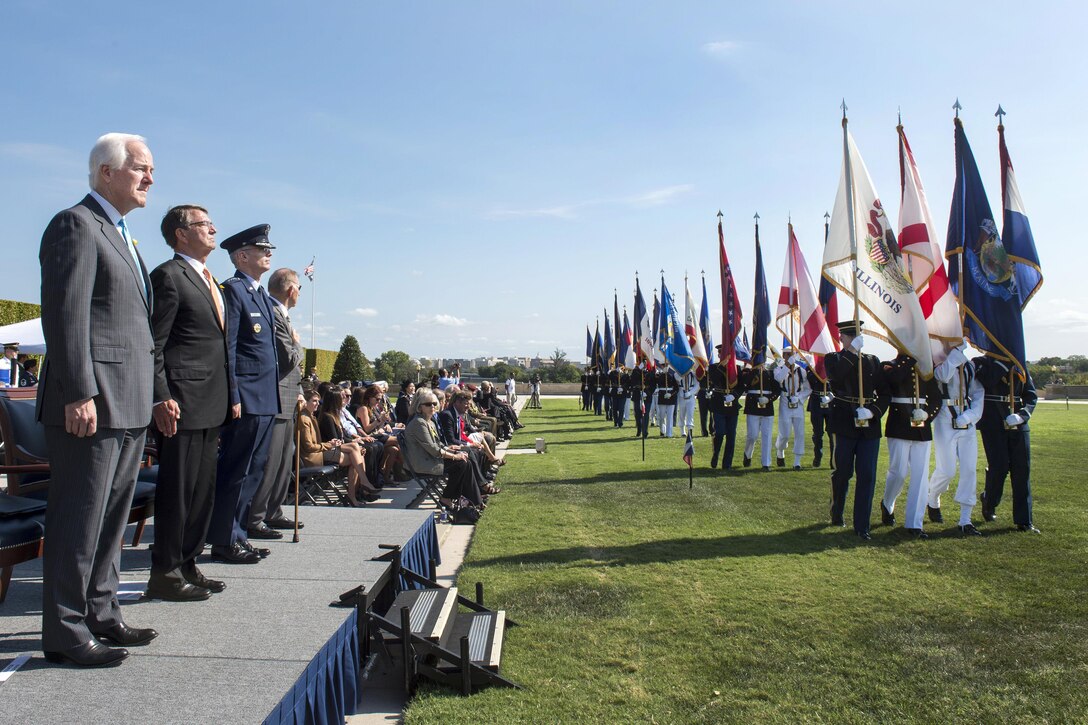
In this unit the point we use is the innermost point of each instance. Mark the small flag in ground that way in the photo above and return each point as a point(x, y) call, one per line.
point(689, 449)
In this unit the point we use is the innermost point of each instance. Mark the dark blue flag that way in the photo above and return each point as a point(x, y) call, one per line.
point(980, 269)
point(761, 314)
point(589, 344)
point(609, 343)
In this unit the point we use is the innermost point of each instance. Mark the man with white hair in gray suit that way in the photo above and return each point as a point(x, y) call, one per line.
point(95, 400)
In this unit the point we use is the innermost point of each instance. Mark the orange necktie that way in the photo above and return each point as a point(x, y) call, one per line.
point(215, 297)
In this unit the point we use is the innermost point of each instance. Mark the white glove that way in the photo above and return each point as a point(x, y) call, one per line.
point(769, 365)
point(857, 343)
point(763, 400)
point(619, 389)
point(962, 422)
point(598, 389)
point(779, 362)
point(962, 347)
point(864, 414)
point(918, 414)
point(825, 399)
point(729, 398)
point(957, 358)
point(709, 393)
point(794, 359)
point(793, 399)
point(1014, 420)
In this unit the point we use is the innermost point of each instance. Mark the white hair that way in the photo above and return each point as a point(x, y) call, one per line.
point(110, 150)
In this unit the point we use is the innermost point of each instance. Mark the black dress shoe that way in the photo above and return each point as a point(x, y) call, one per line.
point(797, 468)
point(987, 510)
point(969, 530)
point(817, 460)
point(122, 635)
point(88, 654)
point(175, 591)
point(264, 531)
point(1028, 528)
point(917, 534)
point(781, 462)
point(262, 553)
point(283, 523)
point(935, 515)
point(838, 521)
point(864, 535)
point(886, 517)
point(212, 585)
point(767, 469)
point(747, 462)
point(234, 554)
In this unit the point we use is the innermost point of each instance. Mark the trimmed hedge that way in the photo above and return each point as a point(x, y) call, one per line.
point(323, 360)
point(12, 311)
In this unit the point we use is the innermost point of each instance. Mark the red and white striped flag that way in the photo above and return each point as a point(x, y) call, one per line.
point(799, 316)
point(924, 258)
point(309, 271)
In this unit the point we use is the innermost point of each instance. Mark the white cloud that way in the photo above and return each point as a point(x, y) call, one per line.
point(722, 48)
point(365, 312)
point(657, 197)
point(654, 197)
point(442, 319)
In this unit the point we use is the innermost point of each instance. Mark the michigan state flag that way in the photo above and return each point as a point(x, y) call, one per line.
point(672, 339)
point(980, 269)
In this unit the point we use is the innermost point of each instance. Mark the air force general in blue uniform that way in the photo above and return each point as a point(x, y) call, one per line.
point(254, 396)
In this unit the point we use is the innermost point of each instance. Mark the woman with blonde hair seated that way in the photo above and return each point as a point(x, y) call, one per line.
point(425, 454)
point(331, 449)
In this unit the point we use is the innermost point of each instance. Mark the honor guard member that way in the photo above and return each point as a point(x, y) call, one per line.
point(254, 396)
point(760, 392)
point(606, 391)
point(721, 399)
point(855, 423)
point(685, 405)
point(641, 390)
point(912, 405)
point(790, 377)
point(667, 392)
point(597, 383)
point(1006, 439)
point(706, 421)
point(617, 379)
point(819, 411)
point(585, 390)
point(660, 381)
point(954, 439)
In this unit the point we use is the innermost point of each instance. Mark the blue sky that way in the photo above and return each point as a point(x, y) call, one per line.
point(476, 178)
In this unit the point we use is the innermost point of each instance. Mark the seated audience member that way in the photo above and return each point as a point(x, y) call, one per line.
point(330, 429)
point(490, 404)
point(454, 429)
point(28, 376)
point(477, 417)
point(425, 453)
point(404, 400)
point(376, 424)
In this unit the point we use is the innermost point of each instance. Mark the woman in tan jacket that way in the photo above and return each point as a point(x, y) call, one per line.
point(335, 452)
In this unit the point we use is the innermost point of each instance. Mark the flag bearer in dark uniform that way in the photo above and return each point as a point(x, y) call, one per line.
point(856, 427)
point(760, 392)
point(721, 399)
point(586, 395)
point(704, 411)
point(617, 383)
point(606, 391)
point(1006, 439)
point(641, 387)
point(596, 383)
point(819, 412)
point(913, 405)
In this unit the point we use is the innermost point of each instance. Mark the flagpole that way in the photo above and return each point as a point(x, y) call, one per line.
point(853, 245)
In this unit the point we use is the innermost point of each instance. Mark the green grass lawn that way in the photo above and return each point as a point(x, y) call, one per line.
point(643, 601)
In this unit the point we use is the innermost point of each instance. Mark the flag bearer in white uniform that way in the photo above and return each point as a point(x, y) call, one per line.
point(791, 378)
point(685, 406)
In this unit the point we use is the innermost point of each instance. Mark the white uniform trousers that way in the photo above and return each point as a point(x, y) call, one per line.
point(665, 417)
point(762, 426)
point(952, 446)
point(908, 458)
point(685, 413)
point(791, 419)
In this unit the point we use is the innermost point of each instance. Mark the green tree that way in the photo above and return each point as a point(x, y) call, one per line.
point(559, 358)
point(394, 366)
point(351, 363)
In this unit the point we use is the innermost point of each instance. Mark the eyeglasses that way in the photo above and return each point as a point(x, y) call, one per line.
point(205, 223)
point(258, 251)
point(298, 286)
point(427, 405)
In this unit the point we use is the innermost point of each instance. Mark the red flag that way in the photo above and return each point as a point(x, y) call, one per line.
point(799, 316)
point(731, 315)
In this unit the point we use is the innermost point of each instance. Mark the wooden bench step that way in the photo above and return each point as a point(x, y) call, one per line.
point(485, 635)
point(432, 611)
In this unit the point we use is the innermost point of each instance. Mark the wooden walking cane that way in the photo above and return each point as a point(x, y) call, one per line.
point(298, 459)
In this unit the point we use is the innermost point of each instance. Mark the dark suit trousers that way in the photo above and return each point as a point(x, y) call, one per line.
point(725, 429)
point(243, 455)
point(1009, 452)
point(90, 493)
point(855, 454)
point(183, 500)
point(819, 418)
point(277, 474)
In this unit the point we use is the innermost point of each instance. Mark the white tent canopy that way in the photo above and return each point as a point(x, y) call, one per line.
point(28, 334)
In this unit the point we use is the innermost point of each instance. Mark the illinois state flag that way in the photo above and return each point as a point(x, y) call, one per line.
point(925, 258)
point(799, 316)
point(862, 259)
point(1015, 230)
point(980, 268)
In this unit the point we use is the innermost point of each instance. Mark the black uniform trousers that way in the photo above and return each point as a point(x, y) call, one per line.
point(725, 430)
point(619, 406)
point(818, 418)
point(598, 401)
point(184, 494)
point(243, 455)
point(1009, 452)
point(855, 456)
